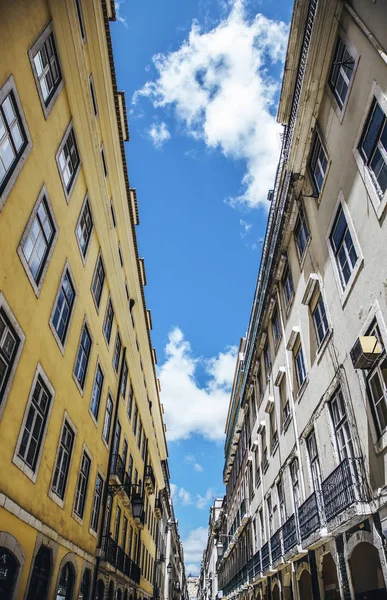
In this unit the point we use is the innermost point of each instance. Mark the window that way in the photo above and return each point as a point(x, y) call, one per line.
point(97, 392)
point(38, 240)
point(120, 256)
point(300, 366)
point(124, 534)
point(265, 458)
point(341, 426)
point(108, 323)
point(273, 431)
point(294, 475)
point(83, 356)
point(46, 68)
point(92, 94)
point(108, 419)
point(130, 541)
point(66, 583)
point(343, 247)
point(124, 382)
point(80, 19)
point(35, 424)
point(314, 462)
point(377, 384)
point(276, 326)
point(301, 235)
point(68, 160)
point(281, 501)
point(63, 461)
point(117, 353)
point(341, 72)
point(84, 228)
point(270, 515)
point(14, 142)
point(41, 574)
point(104, 161)
point(130, 467)
point(117, 438)
point(144, 446)
point(96, 503)
point(373, 146)
point(267, 358)
point(112, 211)
point(124, 453)
point(9, 345)
point(98, 281)
point(287, 286)
point(63, 308)
point(139, 434)
point(83, 481)
point(262, 527)
point(318, 166)
point(135, 417)
point(130, 401)
point(320, 319)
point(117, 523)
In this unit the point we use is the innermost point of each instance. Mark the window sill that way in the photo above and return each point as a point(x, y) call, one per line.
point(302, 389)
point(321, 349)
point(80, 390)
point(28, 472)
point(345, 293)
point(379, 203)
point(265, 466)
point(287, 423)
point(77, 518)
point(56, 498)
point(275, 448)
point(381, 444)
point(302, 259)
point(92, 532)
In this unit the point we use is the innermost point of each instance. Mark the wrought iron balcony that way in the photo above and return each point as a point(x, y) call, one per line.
point(158, 508)
point(289, 534)
point(127, 565)
point(120, 559)
point(135, 574)
point(254, 566)
point(276, 545)
point(149, 479)
point(265, 556)
point(109, 546)
point(126, 490)
point(117, 472)
point(310, 515)
point(345, 486)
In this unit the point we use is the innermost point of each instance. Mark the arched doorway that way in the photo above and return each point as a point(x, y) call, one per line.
point(84, 590)
point(330, 579)
point(100, 593)
point(366, 573)
point(305, 586)
point(119, 594)
point(276, 592)
point(41, 573)
point(66, 583)
point(9, 567)
point(110, 591)
point(126, 595)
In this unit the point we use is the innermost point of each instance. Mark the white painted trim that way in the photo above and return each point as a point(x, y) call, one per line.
point(62, 345)
point(85, 200)
point(64, 139)
point(53, 495)
point(340, 112)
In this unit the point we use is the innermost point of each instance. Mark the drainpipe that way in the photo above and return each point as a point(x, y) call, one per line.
point(291, 399)
point(167, 560)
point(363, 27)
point(106, 486)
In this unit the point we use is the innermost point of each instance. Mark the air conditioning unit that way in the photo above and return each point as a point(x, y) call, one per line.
point(365, 352)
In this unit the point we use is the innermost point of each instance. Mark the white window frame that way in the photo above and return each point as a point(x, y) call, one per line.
point(93, 531)
point(68, 192)
point(62, 345)
point(19, 332)
point(75, 515)
point(108, 303)
point(43, 195)
point(107, 442)
point(80, 389)
point(86, 201)
point(17, 460)
point(98, 304)
point(97, 365)
point(53, 495)
point(317, 136)
point(344, 293)
point(378, 203)
point(33, 51)
point(340, 111)
point(14, 172)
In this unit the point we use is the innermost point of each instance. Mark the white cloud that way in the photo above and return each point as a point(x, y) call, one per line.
point(173, 487)
point(159, 134)
point(184, 496)
point(245, 226)
point(193, 546)
point(198, 467)
point(119, 17)
point(191, 460)
point(203, 501)
point(189, 406)
point(218, 85)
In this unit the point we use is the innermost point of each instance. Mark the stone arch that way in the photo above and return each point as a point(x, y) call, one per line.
point(10, 543)
point(67, 558)
point(366, 570)
point(329, 576)
point(110, 594)
point(304, 566)
point(100, 595)
point(275, 591)
point(304, 581)
point(363, 536)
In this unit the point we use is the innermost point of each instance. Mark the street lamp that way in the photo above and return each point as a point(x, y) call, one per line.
point(169, 568)
point(219, 549)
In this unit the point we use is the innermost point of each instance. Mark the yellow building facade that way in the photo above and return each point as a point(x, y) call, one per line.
point(82, 438)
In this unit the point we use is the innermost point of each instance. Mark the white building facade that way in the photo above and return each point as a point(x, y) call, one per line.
point(306, 434)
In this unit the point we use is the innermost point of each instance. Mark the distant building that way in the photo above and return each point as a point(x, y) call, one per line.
point(192, 587)
point(305, 453)
point(208, 581)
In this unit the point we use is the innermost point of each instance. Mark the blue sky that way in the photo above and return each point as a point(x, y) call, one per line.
point(202, 82)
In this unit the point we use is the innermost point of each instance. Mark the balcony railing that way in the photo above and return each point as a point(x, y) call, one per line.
point(127, 565)
point(120, 559)
point(118, 467)
point(149, 479)
point(254, 566)
point(310, 515)
point(110, 548)
point(265, 555)
point(135, 573)
point(116, 556)
point(276, 545)
point(289, 533)
point(344, 486)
